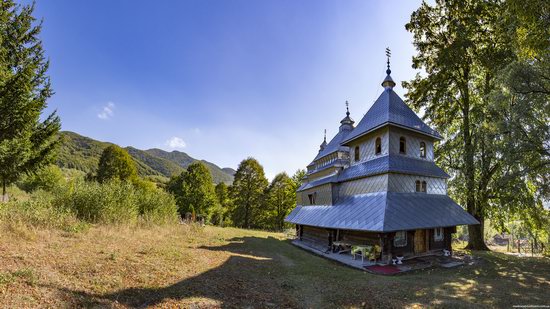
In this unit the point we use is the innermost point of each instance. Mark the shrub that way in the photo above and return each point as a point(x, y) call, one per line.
point(38, 212)
point(110, 202)
point(47, 178)
point(118, 202)
point(156, 205)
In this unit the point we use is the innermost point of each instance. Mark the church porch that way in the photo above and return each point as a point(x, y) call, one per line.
point(405, 244)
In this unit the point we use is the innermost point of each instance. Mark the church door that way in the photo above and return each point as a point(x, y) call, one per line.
point(420, 241)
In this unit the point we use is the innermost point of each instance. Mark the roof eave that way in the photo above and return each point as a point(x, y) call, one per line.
point(347, 141)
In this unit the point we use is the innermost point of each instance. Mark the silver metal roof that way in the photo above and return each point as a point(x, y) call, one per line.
point(334, 145)
point(395, 164)
point(384, 212)
point(390, 109)
point(385, 164)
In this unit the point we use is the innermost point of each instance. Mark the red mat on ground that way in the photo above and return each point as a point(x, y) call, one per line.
point(384, 270)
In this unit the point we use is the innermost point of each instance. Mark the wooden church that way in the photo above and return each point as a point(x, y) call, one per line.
point(377, 184)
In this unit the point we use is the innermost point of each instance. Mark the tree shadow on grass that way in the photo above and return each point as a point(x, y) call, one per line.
point(242, 280)
point(264, 272)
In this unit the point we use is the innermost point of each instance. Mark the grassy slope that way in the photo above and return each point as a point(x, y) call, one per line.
point(82, 153)
point(185, 266)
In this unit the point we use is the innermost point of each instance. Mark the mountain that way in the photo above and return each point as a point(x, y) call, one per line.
point(83, 153)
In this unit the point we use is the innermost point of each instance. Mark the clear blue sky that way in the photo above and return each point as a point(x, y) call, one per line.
point(221, 80)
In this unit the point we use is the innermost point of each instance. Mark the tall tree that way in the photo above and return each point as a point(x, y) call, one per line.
point(280, 198)
point(26, 142)
point(460, 51)
point(220, 213)
point(198, 196)
point(116, 163)
point(463, 47)
point(247, 193)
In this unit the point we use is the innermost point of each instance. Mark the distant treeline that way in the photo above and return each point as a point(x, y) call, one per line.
point(250, 201)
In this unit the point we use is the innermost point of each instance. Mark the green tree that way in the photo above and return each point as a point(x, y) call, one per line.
point(47, 178)
point(464, 46)
point(281, 199)
point(220, 213)
point(298, 178)
point(247, 193)
point(197, 190)
point(26, 142)
point(116, 163)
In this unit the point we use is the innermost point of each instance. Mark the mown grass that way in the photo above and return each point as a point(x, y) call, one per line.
point(191, 266)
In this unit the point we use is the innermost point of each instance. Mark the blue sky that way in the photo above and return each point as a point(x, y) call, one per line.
point(221, 80)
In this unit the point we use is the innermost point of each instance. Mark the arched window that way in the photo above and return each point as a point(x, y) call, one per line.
point(422, 149)
point(424, 187)
point(378, 146)
point(356, 154)
point(418, 186)
point(402, 145)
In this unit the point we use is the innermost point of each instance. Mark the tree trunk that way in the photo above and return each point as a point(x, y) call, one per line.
point(475, 232)
point(4, 199)
point(475, 236)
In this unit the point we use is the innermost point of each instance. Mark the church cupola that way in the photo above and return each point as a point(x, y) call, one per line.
point(347, 122)
point(388, 82)
point(324, 143)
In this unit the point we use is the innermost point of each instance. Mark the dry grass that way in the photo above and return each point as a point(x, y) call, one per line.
point(189, 266)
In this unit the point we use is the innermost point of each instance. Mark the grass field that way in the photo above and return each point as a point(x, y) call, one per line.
point(189, 266)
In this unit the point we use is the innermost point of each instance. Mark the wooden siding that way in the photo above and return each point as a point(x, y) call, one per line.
point(314, 234)
point(359, 237)
point(412, 144)
point(322, 173)
point(406, 250)
point(378, 183)
point(324, 195)
point(366, 146)
point(407, 183)
point(436, 245)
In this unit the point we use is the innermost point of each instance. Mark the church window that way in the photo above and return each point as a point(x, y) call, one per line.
point(418, 186)
point(422, 149)
point(402, 145)
point(424, 187)
point(312, 198)
point(438, 234)
point(356, 154)
point(378, 146)
point(400, 239)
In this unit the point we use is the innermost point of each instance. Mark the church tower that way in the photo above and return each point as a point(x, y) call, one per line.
point(377, 183)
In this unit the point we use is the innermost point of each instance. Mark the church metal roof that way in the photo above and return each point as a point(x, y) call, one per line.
point(386, 164)
point(395, 164)
point(384, 212)
point(390, 109)
point(334, 145)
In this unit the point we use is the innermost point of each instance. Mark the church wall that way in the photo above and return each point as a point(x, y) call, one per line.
point(407, 183)
point(322, 173)
point(323, 195)
point(367, 146)
point(412, 144)
point(371, 184)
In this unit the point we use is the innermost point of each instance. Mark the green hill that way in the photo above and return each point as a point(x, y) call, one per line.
point(82, 153)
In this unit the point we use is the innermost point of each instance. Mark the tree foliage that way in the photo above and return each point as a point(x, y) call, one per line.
point(220, 214)
point(116, 163)
point(47, 178)
point(247, 193)
point(194, 190)
point(281, 199)
point(495, 139)
point(26, 142)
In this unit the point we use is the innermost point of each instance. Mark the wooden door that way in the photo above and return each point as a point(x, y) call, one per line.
point(420, 241)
